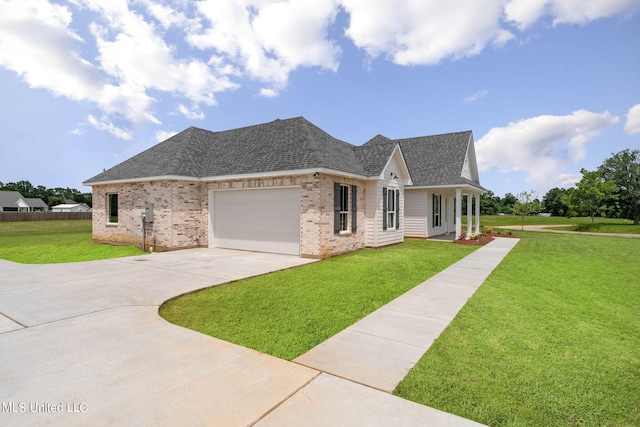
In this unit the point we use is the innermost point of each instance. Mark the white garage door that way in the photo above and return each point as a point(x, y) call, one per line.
point(264, 220)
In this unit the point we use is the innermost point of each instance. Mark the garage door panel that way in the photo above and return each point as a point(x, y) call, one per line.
point(266, 220)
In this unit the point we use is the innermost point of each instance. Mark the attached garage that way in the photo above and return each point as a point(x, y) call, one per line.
point(262, 220)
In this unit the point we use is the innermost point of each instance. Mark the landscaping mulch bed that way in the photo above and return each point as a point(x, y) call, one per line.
point(483, 240)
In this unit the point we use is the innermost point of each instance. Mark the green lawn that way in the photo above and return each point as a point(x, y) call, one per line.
point(552, 338)
point(289, 312)
point(504, 220)
point(49, 242)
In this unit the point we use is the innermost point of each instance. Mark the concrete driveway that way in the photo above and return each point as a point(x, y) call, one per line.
point(82, 344)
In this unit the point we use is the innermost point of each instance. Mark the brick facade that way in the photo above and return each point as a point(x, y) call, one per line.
point(181, 213)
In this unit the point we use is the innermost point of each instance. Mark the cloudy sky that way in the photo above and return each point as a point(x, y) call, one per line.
point(547, 86)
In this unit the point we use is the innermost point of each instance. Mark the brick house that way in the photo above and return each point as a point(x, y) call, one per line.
point(285, 186)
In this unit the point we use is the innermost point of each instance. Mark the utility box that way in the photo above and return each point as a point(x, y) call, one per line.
point(148, 212)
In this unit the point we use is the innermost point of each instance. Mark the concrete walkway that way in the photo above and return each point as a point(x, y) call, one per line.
point(379, 350)
point(82, 344)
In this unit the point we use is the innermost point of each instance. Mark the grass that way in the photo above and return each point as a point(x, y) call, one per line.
point(552, 338)
point(289, 312)
point(506, 220)
point(605, 228)
point(50, 242)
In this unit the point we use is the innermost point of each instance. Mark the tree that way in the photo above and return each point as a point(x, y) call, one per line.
point(507, 203)
point(526, 205)
point(553, 202)
point(591, 194)
point(623, 169)
point(489, 204)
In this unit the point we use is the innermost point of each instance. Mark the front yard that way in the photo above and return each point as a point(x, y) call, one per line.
point(552, 338)
point(289, 312)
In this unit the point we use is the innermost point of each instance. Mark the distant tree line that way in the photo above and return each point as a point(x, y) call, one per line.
point(51, 196)
point(613, 190)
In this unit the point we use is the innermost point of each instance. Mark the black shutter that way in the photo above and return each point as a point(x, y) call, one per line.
point(336, 207)
point(354, 208)
point(397, 209)
point(384, 208)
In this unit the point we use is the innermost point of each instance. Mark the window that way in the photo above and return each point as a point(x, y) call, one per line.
point(341, 208)
point(344, 208)
point(391, 208)
point(437, 210)
point(112, 207)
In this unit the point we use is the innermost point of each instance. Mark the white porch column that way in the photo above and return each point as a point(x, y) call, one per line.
point(469, 215)
point(477, 213)
point(458, 212)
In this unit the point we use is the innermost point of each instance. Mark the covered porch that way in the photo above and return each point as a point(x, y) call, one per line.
point(437, 212)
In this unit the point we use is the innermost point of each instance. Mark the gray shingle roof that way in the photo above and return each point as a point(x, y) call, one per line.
point(434, 160)
point(9, 198)
point(275, 146)
point(292, 144)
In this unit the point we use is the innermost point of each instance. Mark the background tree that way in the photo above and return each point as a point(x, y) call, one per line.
point(526, 205)
point(489, 204)
point(591, 195)
point(507, 203)
point(553, 202)
point(623, 169)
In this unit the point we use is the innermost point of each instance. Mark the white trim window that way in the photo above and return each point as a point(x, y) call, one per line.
point(437, 210)
point(344, 208)
point(341, 208)
point(392, 209)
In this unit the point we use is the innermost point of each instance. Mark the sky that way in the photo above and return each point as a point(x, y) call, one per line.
point(548, 87)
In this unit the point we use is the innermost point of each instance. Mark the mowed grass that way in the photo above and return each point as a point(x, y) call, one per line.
point(552, 338)
point(507, 220)
point(289, 312)
point(50, 242)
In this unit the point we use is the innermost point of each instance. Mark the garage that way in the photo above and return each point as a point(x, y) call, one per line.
point(263, 220)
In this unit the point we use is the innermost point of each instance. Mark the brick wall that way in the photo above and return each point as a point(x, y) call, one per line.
point(182, 218)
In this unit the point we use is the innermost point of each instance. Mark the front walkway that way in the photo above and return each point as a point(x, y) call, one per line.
point(83, 345)
point(379, 350)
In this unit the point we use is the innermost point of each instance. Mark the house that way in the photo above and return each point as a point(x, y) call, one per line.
point(71, 207)
point(286, 187)
point(12, 201)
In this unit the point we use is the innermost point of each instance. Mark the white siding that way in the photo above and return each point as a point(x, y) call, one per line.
point(375, 235)
point(415, 214)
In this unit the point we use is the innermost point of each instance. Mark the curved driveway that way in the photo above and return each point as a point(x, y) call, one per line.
point(82, 344)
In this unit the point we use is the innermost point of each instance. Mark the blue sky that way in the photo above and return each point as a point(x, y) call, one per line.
point(547, 86)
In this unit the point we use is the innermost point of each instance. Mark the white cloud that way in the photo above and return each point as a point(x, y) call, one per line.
point(542, 146)
point(37, 43)
point(163, 135)
point(104, 124)
point(524, 13)
point(425, 32)
point(194, 113)
point(476, 96)
point(632, 127)
point(268, 39)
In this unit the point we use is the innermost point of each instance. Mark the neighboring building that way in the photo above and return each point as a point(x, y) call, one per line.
point(285, 187)
point(71, 207)
point(12, 201)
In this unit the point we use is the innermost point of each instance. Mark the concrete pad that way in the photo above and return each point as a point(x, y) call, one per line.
point(127, 366)
point(331, 401)
point(8, 325)
point(377, 362)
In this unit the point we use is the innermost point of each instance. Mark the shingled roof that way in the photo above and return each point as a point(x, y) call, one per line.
point(288, 145)
point(281, 145)
point(435, 160)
